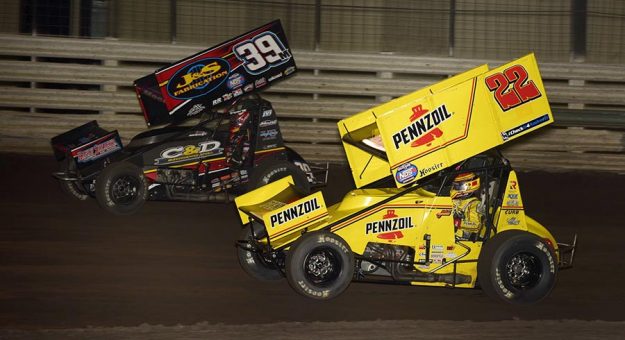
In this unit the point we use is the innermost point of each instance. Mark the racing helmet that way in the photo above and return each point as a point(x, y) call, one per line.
point(464, 185)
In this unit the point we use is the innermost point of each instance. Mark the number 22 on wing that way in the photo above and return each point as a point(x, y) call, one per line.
point(511, 87)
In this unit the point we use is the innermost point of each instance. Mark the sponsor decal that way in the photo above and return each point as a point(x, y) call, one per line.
point(274, 77)
point(227, 96)
point(423, 129)
point(235, 81)
point(444, 212)
point(97, 151)
point(241, 115)
point(195, 109)
point(198, 78)
point(269, 134)
point(248, 88)
point(513, 221)
point(289, 70)
point(513, 185)
point(217, 101)
point(266, 123)
point(188, 152)
point(390, 224)
point(406, 173)
point(272, 205)
point(511, 212)
point(437, 247)
point(513, 196)
point(524, 127)
point(512, 203)
point(237, 92)
point(428, 170)
point(267, 113)
point(198, 134)
point(292, 213)
point(270, 146)
point(260, 82)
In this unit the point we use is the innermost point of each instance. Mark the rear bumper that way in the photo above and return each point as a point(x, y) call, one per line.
point(567, 254)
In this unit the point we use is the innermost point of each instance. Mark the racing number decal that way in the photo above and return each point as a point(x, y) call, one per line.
point(522, 90)
point(261, 53)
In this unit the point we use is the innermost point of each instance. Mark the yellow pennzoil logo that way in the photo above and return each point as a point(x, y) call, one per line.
point(296, 214)
point(198, 78)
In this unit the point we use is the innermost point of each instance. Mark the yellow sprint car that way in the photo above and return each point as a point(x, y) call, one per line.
point(436, 204)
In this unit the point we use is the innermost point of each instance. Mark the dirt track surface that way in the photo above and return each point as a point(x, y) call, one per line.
point(69, 264)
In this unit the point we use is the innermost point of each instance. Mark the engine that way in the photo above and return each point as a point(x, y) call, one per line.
point(181, 180)
point(385, 259)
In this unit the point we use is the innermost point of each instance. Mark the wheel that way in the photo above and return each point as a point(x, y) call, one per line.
point(72, 188)
point(121, 188)
point(273, 171)
point(320, 265)
point(251, 262)
point(517, 266)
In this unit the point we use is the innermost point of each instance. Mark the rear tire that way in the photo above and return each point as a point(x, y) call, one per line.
point(252, 262)
point(517, 267)
point(121, 188)
point(320, 265)
point(273, 171)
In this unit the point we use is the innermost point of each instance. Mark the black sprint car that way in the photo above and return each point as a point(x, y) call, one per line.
point(222, 155)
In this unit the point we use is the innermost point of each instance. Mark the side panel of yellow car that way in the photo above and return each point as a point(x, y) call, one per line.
point(398, 223)
point(512, 213)
point(407, 221)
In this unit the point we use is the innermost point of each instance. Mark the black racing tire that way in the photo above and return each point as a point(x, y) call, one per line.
point(273, 171)
point(121, 188)
point(320, 265)
point(251, 262)
point(72, 188)
point(517, 267)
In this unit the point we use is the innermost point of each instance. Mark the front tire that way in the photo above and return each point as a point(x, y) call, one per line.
point(517, 267)
point(251, 261)
point(273, 171)
point(320, 265)
point(121, 188)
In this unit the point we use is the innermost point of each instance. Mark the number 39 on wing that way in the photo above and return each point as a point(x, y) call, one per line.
point(262, 52)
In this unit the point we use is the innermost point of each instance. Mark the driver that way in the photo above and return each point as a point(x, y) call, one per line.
point(467, 209)
point(239, 138)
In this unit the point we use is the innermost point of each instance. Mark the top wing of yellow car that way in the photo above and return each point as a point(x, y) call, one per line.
point(436, 127)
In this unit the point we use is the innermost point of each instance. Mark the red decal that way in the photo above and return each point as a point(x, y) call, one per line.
point(389, 214)
point(394, 235)
point(444, 212)
point(417, 112)
point(428, 138)
point(511, 87)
